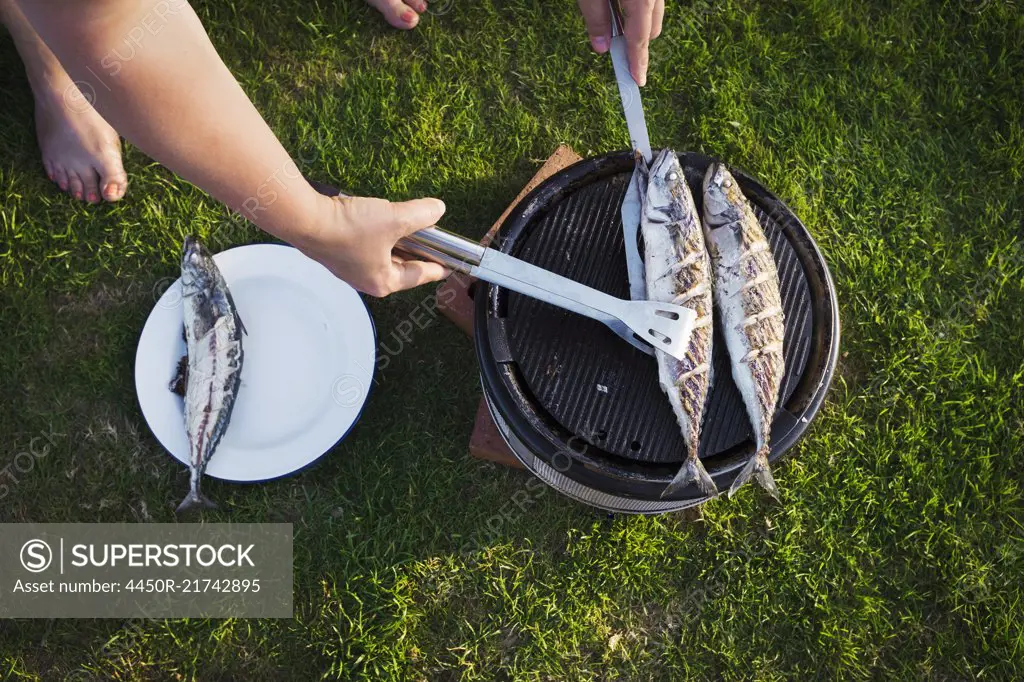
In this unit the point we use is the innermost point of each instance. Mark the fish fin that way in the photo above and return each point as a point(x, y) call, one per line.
point(692, 473)
point(194, 501)
point(179, 382)
point(758, 467)
point(238, 318)
point(767, 481)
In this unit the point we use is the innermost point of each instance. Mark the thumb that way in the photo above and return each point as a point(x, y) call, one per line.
point(597, 17)
point(413, 216)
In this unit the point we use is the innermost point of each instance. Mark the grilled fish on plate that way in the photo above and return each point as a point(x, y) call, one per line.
point(211, 375)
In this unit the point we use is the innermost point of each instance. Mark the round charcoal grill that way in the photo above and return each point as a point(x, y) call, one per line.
point(582, 409)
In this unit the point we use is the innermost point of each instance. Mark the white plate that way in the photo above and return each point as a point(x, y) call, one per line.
point(306, 373)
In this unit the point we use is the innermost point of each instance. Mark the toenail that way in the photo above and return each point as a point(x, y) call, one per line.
point(407, 17)
point(93, 197)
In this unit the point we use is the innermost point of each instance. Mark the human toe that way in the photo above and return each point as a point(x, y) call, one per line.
point(60, 176)
point(76, 187)
point(397, 13)
point(90, 186)
point(113, 182)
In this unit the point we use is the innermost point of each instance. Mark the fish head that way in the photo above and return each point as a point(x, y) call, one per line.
point(198, 272)
point(665, 200)
point(723, 227)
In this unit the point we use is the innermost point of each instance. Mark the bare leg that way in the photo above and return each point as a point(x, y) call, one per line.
point(400, 13)
point(81, 152)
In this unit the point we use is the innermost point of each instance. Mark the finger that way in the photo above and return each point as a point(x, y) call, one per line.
point(407, 274)
point(413, 216)
point(638, 18)
point(597, 18)
point(657, 18)
point(398, 260)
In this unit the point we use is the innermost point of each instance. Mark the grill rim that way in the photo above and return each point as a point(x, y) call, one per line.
point(526, 418)
point(617, 504)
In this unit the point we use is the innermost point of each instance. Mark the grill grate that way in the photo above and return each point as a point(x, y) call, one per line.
point(596, 386)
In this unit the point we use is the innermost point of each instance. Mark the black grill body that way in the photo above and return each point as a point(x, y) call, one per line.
point(583, 409)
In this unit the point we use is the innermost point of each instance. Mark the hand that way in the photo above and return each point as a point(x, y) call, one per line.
point(355, 236)
point(642, 19)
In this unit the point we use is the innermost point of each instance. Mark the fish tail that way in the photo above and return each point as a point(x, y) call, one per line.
point(692, 473)
point(759, 468)
point(193, 501)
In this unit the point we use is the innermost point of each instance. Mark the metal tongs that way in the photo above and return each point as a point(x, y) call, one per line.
point(644, 324)
point(632, 107)
point(629, 91)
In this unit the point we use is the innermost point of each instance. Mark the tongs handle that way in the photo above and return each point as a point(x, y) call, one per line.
point(440, 246)
point(445, 242)
point(617, 23)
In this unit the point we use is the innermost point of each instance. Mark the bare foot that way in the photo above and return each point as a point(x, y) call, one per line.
point(400, 13)
point(81, 152)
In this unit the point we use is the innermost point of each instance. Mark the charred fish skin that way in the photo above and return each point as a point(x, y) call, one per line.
point(678, 270)
point(213, 338)
point(749, 306)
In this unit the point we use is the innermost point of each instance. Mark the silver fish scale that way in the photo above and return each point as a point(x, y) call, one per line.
point(693, 389)
point(214, 365)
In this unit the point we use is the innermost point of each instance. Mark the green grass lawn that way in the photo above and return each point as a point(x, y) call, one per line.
point(895, 130)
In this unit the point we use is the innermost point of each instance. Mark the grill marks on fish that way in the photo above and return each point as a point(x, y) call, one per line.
point(689, 294)
point(756, 318)
point(748, 300)
point(213, 336)
point(678, 271)
point(688, 261)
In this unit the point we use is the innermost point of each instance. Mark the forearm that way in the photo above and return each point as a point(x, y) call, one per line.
point(160, 83)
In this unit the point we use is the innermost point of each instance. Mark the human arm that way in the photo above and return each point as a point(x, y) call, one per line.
point(154, 75)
